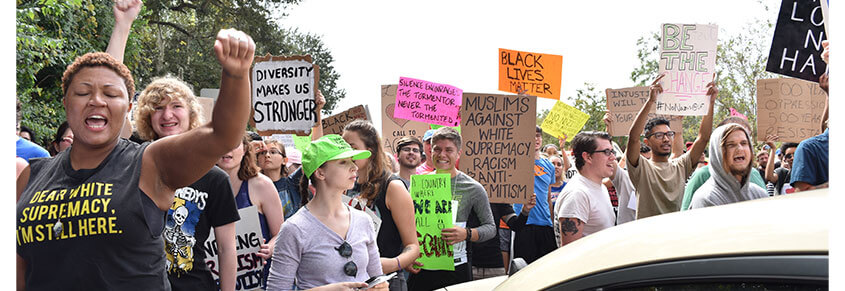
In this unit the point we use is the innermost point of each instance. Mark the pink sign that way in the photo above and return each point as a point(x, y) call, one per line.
point(428, 102)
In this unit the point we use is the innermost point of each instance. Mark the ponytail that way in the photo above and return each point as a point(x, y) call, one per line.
point(303, 189)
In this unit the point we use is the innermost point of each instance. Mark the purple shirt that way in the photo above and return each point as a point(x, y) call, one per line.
point(305, 252)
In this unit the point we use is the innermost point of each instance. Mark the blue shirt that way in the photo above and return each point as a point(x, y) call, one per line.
point(811, 160)
point(28, 150)
point(288, 188)
point(544, 175)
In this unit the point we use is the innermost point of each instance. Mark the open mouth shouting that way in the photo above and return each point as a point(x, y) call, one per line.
point(96, 122)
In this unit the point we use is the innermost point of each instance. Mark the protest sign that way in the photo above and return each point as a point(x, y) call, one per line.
point(248, 240)
point(207, 105)
point(432, 195)
point(688, 58)
point(797, 43)
point(428, 102)
point(334, 124)
point(291, 140)
point(624, 105)
point(393, 129)
point(540, 74)
point(789, 108)
point(498, 151)
point(283, 90)
point(564, 119)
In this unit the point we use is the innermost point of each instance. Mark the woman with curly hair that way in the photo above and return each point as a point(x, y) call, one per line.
point(168, 107)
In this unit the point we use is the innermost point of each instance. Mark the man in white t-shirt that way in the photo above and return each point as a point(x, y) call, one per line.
point(583, 207)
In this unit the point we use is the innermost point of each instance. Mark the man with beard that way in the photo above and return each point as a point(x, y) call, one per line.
point(700, 176)
point(409, 151)
point(660, 181)
point(583, 207)
point(730, 172)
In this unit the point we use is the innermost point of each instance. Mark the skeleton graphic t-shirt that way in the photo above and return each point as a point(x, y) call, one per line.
point(207, 203)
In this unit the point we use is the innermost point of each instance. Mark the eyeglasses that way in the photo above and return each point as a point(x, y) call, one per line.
point(607, 152)
point(410, 149)
point(345, 250)
point(270, 152)
point(787, 156)
point(660, 135)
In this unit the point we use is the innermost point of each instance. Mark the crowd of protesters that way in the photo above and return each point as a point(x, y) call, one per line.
point(161, 197)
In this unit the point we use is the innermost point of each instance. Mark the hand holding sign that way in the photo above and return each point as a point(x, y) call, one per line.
point(454, 235)
point(234, 50)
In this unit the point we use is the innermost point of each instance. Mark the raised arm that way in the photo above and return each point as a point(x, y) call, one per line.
point(771, 176)
point(632, 152)
point(125, 12)
point(706, 127)
point(678, 145)
point(165, 160)
point(317, 130)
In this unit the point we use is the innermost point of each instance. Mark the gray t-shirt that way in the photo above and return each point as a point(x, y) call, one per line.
point(627, 196)
point(471, 196)
point(305, 252)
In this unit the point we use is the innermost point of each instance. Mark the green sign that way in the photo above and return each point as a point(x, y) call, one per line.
point(432, 196)
point(300, 142)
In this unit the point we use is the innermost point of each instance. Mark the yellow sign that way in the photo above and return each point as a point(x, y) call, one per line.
point(564, 119)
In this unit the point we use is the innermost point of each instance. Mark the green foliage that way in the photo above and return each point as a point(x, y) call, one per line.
point(50, 34)
point(169, 37)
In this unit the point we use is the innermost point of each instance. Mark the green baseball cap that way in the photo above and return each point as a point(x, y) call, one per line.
point(328, 148)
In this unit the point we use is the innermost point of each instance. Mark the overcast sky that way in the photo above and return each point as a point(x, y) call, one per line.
point(457, 42)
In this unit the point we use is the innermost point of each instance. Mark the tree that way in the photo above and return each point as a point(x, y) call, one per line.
point(740, 62)
point(169, 37)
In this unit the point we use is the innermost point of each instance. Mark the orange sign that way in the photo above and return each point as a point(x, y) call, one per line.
point(539, 74)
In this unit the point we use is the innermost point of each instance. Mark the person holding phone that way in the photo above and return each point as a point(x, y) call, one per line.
point(326, 242)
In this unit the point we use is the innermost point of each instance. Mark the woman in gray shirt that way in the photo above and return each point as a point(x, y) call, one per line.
point(325, 242)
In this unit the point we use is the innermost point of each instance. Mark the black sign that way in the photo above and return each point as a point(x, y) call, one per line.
point(796, 46)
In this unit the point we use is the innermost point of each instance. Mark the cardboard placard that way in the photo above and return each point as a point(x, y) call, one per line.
point(797, 44)
point(432, 195)
point(334, 124)
point(688, 58)
point(393, 129)
point(540, 74)
point(789, 108)
point(207, 105)
point(564, 120)
point(624, 104)
point(248, 240)
point(428, 102)
point(283, 92)
point(498, 151)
